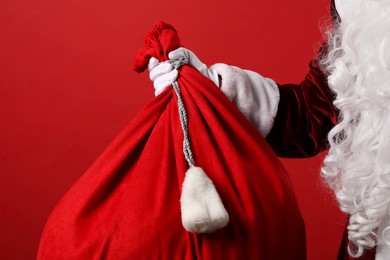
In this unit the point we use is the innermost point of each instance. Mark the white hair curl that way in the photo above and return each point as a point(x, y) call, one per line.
point(357, 166)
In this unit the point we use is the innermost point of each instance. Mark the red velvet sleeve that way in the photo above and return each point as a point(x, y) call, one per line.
point(305, 116)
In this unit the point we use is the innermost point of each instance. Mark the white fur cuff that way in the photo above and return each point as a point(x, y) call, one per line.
point(202, 210)
point(255, 96)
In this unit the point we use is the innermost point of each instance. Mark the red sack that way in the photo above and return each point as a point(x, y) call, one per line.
point(127, 205)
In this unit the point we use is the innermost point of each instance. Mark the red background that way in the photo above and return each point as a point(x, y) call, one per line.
point(66, 90)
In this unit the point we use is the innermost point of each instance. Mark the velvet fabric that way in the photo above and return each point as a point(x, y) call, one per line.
point(127, 205)
point(305, 116)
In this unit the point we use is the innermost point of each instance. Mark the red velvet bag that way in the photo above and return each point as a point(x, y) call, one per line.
point(127, 205)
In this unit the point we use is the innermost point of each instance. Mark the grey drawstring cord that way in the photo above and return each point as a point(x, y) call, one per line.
point(183, 114)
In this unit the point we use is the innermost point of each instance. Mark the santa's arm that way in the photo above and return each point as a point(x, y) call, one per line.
point(294, 118)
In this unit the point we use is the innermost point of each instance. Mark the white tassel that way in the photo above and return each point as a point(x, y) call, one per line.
point(202, 210)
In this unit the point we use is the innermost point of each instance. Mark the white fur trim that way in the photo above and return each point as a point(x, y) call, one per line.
point(255, 96)
point(202, 210)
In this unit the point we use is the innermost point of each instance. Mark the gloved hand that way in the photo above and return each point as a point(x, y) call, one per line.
point(194, 62)
point(163, 75)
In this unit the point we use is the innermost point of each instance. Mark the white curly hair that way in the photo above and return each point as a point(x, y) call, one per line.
point(357, 166)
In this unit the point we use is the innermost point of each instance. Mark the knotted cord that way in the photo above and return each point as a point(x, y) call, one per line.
point(183, 114)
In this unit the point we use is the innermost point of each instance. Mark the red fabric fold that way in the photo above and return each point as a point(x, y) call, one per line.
point(127, 205)
point(158, 43)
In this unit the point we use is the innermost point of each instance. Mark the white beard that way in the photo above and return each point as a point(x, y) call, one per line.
point(357, 167)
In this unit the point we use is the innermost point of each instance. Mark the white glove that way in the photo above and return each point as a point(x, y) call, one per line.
point(162, 74)
point(194, 62)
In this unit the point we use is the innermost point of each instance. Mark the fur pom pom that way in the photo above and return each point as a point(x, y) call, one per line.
point(202, 210)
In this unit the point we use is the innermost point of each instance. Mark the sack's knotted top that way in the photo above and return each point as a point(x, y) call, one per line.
point(158, 43)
